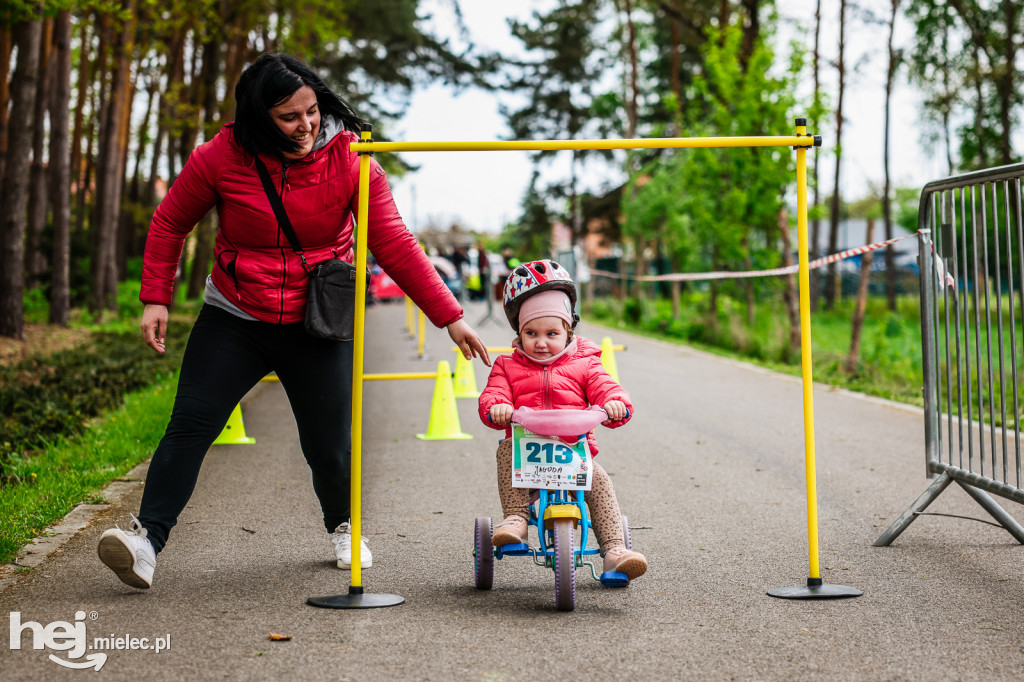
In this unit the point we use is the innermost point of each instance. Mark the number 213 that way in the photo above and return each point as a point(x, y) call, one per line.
point(554, 453)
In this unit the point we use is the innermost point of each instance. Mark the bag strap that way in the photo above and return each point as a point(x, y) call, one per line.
point(282, 217)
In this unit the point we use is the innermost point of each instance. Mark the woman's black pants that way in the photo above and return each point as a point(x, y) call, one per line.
point(224, 358)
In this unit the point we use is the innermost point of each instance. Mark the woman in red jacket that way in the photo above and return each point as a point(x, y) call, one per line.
point(552, 368)
point(255, 299)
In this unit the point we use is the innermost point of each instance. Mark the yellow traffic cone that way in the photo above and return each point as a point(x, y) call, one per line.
point(465, 379)
point(444, 413)
point(608, 358)
point(234, 430)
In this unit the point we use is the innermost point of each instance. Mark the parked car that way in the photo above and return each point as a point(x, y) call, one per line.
point(382, 287)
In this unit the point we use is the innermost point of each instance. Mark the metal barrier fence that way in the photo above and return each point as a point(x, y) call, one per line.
point(971, 276)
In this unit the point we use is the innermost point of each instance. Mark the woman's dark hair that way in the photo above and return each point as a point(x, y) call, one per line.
point(269, 81)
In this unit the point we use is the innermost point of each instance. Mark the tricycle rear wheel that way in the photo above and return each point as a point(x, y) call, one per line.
point(565, 564)
point(625, 533)
point(483, 553)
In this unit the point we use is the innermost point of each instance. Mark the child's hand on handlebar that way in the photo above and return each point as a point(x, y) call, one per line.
point(501, 414)
point(616, 410)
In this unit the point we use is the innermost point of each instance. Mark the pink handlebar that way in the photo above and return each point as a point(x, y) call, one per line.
point(567, 424)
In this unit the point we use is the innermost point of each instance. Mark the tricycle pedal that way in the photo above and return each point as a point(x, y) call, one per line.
point(614, 579)
point(517, 549)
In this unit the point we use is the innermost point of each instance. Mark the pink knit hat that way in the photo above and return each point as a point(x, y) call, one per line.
point(550, 303)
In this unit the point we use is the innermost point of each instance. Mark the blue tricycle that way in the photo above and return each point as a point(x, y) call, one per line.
point(560, 474)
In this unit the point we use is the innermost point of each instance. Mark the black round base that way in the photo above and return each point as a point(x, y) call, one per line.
point(356, 601)
point(815, 592)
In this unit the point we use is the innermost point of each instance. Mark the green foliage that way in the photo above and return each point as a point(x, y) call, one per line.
point(41, 489)
point(963, 58)
point(530, 236)
point(711, 207)
point(890, 347)
point(43, 398)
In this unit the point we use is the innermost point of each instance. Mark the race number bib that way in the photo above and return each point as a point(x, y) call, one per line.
point(546, 462)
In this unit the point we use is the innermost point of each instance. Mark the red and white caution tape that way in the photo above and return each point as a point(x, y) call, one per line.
point(816, 263)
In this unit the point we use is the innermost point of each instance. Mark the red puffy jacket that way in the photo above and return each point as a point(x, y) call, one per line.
point(574, 381)
point(256, 268)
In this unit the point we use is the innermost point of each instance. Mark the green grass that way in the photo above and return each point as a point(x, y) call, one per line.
point(890, 356)
point(72, 471)
point(40, 486)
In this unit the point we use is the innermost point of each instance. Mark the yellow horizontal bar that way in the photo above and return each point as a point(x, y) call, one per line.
point(509, 349)
point(399, 375)
point(270, 377)
point(548, 145)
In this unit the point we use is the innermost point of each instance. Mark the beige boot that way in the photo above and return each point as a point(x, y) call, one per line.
point(622, 560)
point(511, 531)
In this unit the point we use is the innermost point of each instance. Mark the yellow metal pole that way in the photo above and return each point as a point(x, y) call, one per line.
point(409, 313)
point(509, 349)
point(362, 218)
point(422, 333)
point(356, 599)
point(399, 375)
point(551, 145)
point(805, 357)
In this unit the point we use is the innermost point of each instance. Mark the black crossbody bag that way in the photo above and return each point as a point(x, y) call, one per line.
point(330, 308)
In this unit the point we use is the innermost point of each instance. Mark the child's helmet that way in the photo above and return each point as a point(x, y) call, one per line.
point(532, 278)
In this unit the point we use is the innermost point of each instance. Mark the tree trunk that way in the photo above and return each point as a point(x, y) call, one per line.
point(890, 268)
point(622, 291)
point(124, 223)
point(98, 74)
point(979, 111)
point(207, 228)
point(6, 46)
point(675, 63)
point(641, 269)
point(789, 295)
point(634, 71)
point(110, 173)
point(60, 172)
point(85, 76)
point(140, 204)
point(234, 61)
point(751, 31)
point(13, 219)
point(947, 123)
point(833, 235)
point(1005, 80)
point(35, 259)
point(862, 302)
point(748, 285)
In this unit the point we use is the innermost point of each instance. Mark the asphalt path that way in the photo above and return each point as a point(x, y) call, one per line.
point(711, 473)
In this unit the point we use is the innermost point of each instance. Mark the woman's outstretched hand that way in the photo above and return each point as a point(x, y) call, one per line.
point(468, 341)
point(154, 326)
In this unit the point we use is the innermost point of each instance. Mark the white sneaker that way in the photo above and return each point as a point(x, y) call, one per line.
point(129, 554)
point(341, 538)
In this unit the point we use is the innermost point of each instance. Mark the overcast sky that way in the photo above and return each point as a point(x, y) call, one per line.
point(483, 190)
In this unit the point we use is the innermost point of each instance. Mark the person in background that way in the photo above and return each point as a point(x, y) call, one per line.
point(251, 322)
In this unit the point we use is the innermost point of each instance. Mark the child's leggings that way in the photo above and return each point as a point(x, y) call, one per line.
point(604, 508)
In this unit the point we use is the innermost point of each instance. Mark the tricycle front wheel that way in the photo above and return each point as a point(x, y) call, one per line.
point(565, 565)
point(483, 554)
